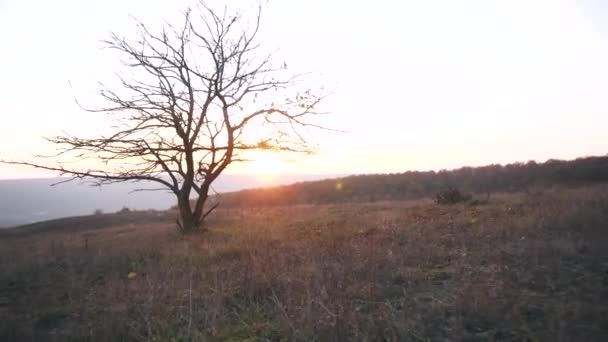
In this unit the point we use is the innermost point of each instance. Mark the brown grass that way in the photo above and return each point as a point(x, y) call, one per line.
point(518, 268)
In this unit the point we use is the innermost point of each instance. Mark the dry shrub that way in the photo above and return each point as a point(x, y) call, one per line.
point(451, 196)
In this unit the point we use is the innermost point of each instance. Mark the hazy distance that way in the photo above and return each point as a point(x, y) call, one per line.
point(25, 201)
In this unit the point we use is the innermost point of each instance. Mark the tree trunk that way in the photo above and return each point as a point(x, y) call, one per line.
point(187, 221)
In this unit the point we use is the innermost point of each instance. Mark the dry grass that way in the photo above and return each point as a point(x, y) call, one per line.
point(518, 268)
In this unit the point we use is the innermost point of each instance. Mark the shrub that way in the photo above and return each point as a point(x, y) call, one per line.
point(451, 196)
point(124, 210)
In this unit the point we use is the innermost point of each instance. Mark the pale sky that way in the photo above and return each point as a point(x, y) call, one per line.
point(417, 84)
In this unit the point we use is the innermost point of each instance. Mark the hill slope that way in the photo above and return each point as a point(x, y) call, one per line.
point(518, 268)
point(24, 201)
point(417, 184)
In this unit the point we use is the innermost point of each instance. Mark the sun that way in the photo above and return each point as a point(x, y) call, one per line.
point(267, 165)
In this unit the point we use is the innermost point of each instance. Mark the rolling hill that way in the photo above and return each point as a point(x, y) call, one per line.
point(24, 201)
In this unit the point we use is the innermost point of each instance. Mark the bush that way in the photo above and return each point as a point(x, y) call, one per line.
point(451, 196)
point(124, 210)
point(98, 212)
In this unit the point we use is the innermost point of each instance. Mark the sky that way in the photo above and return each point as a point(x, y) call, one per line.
point(416, 85)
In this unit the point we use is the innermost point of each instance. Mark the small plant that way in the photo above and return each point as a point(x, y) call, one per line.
point(451, 196)
point(475, 202)
point(98, 212)
point(124, 210)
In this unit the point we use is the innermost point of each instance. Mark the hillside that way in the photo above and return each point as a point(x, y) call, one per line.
point(518, 268)
point(424, 184)
point(24, 201)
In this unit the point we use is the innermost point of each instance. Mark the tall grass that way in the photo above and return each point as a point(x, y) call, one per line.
point(518, 268)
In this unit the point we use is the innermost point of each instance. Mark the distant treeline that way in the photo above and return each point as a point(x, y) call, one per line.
point(417, 184)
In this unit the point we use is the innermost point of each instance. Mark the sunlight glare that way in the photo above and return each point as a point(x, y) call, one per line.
point(267, 165)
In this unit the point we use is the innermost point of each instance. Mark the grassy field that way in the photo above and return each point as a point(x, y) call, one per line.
point(518, 268)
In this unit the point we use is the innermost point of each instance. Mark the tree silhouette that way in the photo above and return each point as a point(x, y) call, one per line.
point(198, 97)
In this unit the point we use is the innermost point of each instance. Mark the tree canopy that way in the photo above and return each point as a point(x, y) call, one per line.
point(197, 98)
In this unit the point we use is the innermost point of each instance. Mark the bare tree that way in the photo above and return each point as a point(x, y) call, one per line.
point(199, 97)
